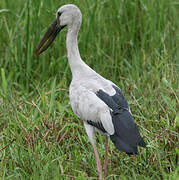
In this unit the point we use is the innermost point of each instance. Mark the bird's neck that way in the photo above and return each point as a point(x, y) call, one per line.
point(73, 54)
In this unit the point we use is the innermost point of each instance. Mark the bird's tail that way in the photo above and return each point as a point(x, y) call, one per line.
point(126, 137)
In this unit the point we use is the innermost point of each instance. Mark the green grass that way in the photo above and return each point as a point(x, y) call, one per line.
point(133, 43)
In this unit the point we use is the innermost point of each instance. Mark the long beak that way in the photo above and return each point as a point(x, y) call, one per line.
point(49, 37)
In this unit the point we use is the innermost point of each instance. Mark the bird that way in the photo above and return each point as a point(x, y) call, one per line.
point(98, 102)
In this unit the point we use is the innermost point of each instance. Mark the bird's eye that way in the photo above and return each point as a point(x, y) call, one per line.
point(59, 14)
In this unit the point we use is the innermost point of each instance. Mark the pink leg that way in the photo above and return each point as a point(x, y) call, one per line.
point(106, 159)
point(97, 161)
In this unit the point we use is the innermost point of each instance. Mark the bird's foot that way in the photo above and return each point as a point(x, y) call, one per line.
point(105, 172)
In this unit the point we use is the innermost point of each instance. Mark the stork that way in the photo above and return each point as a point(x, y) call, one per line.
point(94, 99)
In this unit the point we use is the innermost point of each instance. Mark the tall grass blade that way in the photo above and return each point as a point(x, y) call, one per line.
point(4, 82)
point(52, 97)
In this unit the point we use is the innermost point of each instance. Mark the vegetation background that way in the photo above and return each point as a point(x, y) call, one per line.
point(133, 43)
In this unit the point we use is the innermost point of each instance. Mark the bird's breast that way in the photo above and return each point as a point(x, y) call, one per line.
point(84, 102)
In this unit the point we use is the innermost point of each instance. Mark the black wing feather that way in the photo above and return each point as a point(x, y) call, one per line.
point(98, 125)
point(119, 98)
point(126, 137)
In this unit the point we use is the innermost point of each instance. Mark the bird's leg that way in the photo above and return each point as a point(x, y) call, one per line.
point(106, 159)
point(97, 161)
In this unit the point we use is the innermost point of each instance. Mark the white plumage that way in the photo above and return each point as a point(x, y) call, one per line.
point(94, 99)
point(87, 105)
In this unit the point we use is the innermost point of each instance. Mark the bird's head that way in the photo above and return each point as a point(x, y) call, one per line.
point(67, 15)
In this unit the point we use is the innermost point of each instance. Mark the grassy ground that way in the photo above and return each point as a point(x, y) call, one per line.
point(133, 43)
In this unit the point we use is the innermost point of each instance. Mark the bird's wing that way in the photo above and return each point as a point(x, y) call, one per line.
point(126, 136)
